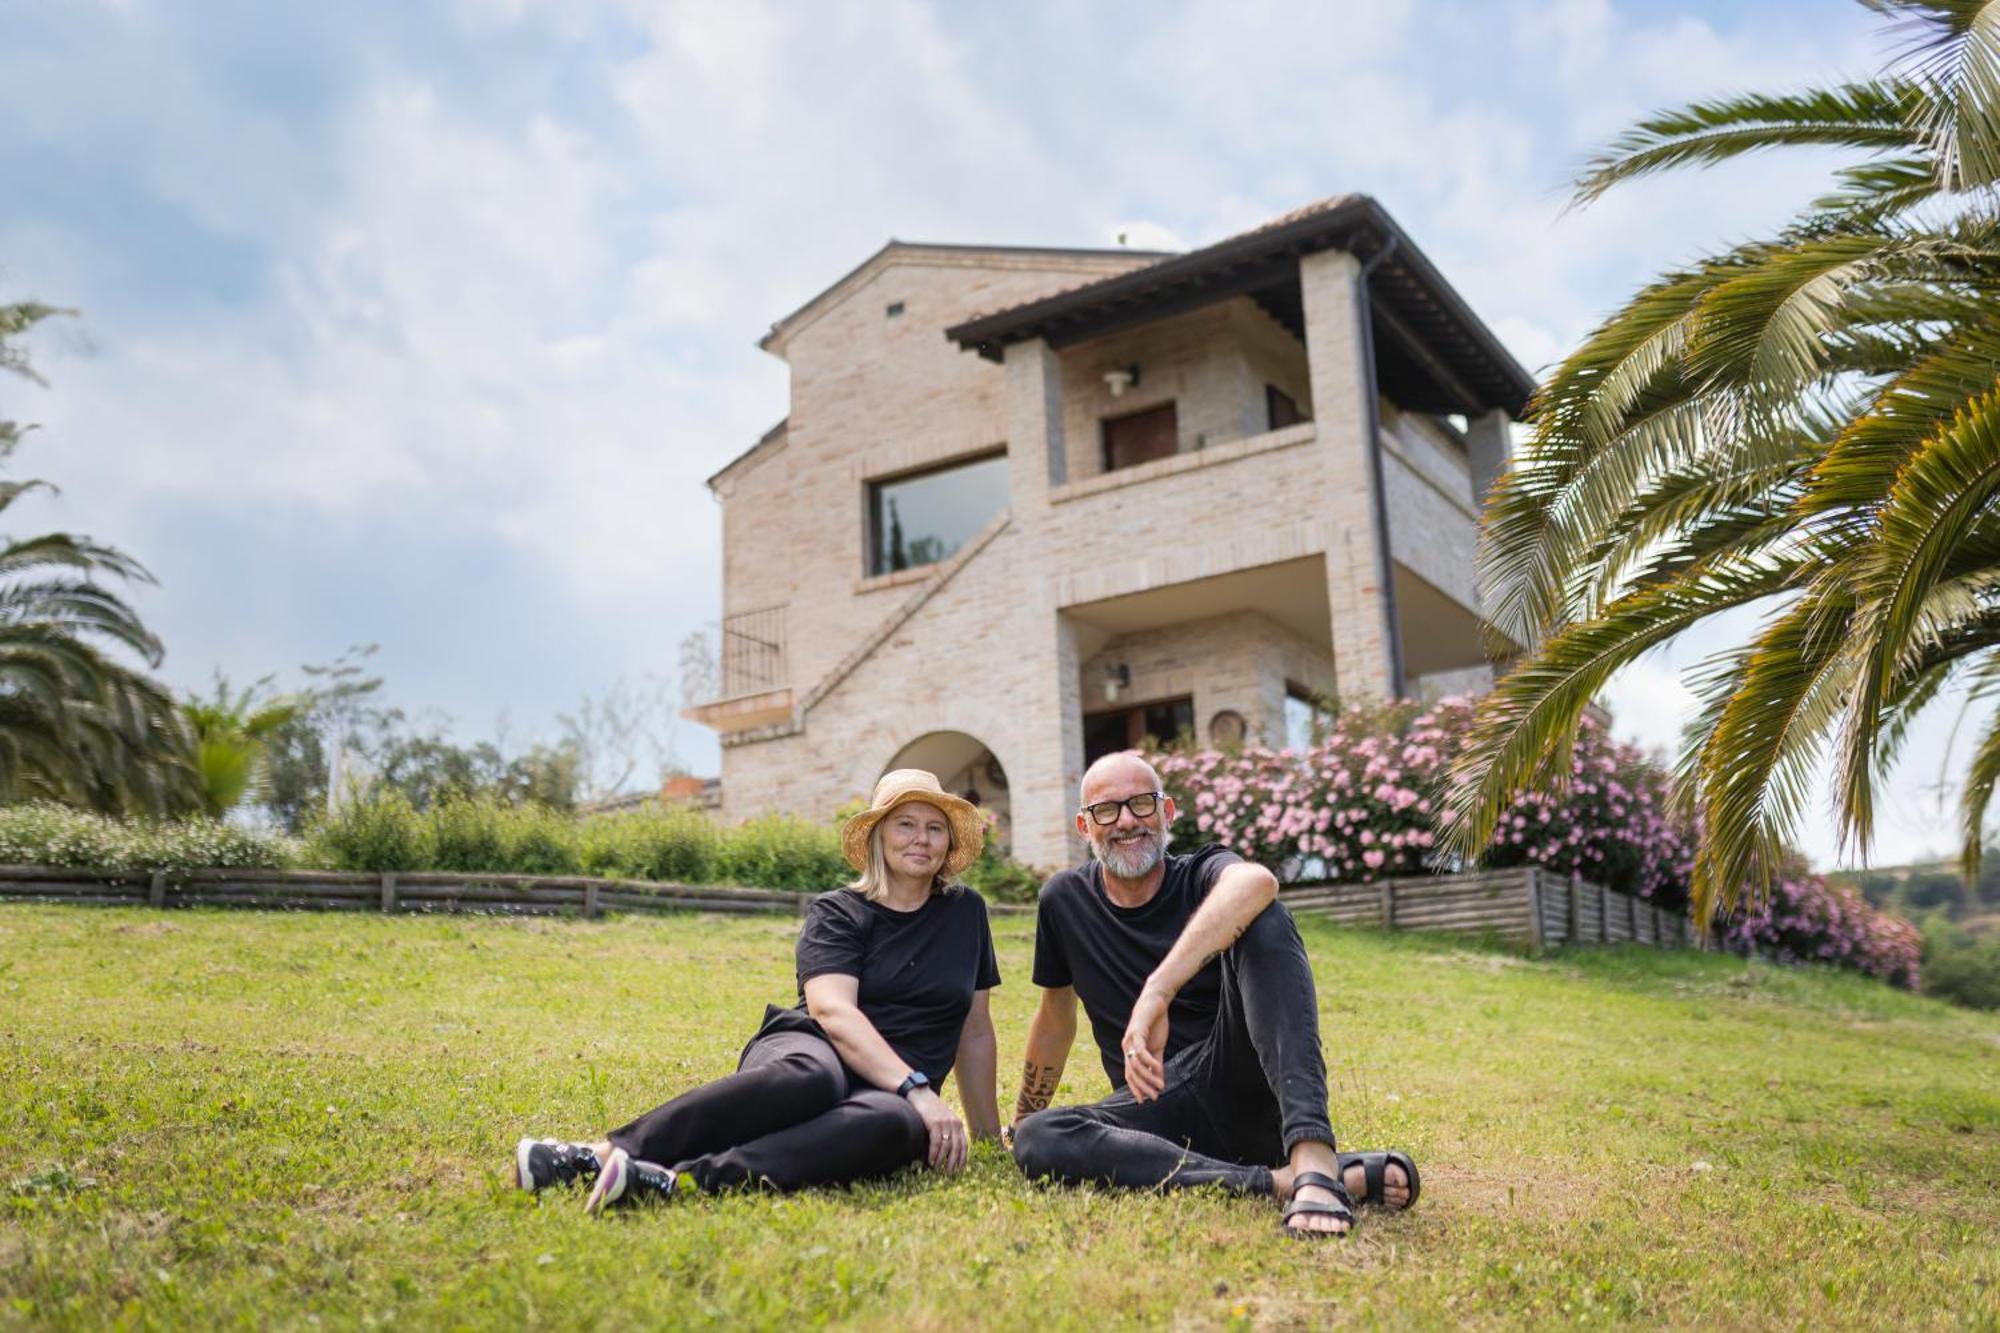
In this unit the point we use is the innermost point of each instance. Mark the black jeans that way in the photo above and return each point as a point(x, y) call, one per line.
point(789, 1117)
point(1235, 1103)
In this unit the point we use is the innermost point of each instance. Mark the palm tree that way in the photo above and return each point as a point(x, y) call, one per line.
point(76, 724)
point(232, 735)
point(1807, 425)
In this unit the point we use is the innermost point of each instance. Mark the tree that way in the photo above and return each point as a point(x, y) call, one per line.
point(232, 733)
point(1807, 425)
point(611, 733)
point(77, 724)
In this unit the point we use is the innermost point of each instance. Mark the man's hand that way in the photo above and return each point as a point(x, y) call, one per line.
point(1145, 1045)
point(948, 1140)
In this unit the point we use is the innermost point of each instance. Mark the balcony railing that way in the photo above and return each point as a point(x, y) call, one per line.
point(751, 653)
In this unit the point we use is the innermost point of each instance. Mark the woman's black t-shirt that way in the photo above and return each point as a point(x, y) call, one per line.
point(917, 970)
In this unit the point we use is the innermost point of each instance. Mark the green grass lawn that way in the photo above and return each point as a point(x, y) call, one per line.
point(232, 1119)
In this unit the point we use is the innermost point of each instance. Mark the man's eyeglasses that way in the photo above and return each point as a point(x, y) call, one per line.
point(1142, 806)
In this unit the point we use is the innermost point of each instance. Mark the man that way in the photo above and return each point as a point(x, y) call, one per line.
point(1201, 999)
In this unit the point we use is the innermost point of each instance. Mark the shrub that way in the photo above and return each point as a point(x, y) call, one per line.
point(1961, 967)
point(1807, 920)
point(780, 851)
point(468, 834)
point(55, 835)
point(379, 831)
point(1000, 878)
point(541, 841)
point(1362, 803)
point(676, 846)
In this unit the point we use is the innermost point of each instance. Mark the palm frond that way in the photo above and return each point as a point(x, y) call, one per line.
point(1873, 117)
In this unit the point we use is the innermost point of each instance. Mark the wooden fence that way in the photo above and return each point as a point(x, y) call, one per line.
point(427, 891)
point(1529, 905)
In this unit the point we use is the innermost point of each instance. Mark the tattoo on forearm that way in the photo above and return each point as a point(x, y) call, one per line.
point(1038, 1086)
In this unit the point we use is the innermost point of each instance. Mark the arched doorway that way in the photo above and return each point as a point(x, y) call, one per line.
point(964, 767)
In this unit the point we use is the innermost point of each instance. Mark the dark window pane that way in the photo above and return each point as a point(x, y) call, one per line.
point(1281, 408)
point(924, 518)
point(1141, 437)
point(1104, 733)
point(1146, 726)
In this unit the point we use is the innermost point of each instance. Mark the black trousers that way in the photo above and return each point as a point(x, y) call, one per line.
point(789, 1117)
point(1235, 1103)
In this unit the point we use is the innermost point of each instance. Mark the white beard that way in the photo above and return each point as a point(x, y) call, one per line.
point(1134, 859)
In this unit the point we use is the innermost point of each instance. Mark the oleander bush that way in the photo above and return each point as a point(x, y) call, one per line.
point(1362, 803)
point(56, 835)
point(1805, 919)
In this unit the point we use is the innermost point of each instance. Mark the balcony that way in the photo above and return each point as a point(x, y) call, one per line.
point(740, 677)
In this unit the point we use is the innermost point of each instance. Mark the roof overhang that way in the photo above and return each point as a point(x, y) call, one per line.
point(1433, 353)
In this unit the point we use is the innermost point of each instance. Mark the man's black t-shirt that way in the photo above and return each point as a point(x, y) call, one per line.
point(1083, 939)
point(917, 969)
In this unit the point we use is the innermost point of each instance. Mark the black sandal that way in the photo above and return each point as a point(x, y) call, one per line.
point(1342, 1208)
point(1376, 1166)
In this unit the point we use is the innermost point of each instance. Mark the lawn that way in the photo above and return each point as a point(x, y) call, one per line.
point(221, 1119)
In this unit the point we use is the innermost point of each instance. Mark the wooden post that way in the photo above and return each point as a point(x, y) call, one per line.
point(1603, 915)
point(1535, 907)
point(156, 892)
point(388, 891)
point(1571, 890)
point(1388, 904)
point(590, 907)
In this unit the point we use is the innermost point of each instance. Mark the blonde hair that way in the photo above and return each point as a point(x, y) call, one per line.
point(874, 882)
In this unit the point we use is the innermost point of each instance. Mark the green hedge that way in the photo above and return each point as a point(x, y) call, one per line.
point(476, 836)
point(669, 845)
point(55, 835)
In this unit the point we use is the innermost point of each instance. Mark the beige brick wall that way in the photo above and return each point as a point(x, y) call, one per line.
point(1239, 662)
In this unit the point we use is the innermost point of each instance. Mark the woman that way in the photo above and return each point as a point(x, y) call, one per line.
point(894, 973)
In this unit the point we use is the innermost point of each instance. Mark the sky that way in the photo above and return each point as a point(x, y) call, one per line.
point(422, 324)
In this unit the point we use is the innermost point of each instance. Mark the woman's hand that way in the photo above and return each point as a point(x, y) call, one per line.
point(947, 1131)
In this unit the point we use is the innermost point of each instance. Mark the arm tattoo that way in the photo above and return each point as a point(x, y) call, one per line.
point(1038, 1086)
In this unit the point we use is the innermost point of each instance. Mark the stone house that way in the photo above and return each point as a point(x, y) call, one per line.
point(1032, 505)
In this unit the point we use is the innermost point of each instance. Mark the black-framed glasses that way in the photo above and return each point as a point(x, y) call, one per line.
point(1142, 806)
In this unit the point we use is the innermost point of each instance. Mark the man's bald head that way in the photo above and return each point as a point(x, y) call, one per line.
point(1117, 776)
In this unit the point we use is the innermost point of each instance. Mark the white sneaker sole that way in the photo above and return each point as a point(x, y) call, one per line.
point(610, 1186)
point(524, 1177)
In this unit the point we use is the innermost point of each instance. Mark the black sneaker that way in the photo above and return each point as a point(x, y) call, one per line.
point(626, 1177)
point(540, 1163)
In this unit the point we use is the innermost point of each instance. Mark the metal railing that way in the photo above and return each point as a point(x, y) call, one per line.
point(750, 653)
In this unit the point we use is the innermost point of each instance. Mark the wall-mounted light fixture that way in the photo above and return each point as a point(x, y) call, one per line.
point(1120, 378)
point(1117, 678)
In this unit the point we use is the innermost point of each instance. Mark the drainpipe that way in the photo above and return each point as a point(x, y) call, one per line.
point(1385, 569)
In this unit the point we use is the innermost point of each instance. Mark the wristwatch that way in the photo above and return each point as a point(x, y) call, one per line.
point(912, 1083)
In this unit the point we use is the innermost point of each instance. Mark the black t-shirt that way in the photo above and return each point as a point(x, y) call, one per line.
point(1083, 939)
point(917, 969)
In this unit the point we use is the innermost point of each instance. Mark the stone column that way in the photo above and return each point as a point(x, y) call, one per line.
point(1049, 708)
point(1489, 443)
point(1357, 573)
point(1037, 457)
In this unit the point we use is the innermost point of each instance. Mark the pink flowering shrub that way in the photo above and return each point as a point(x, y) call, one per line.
point(1807, 920)
point(1363, 803)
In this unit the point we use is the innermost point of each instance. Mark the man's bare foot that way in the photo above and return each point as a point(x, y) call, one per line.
point(1395, 1190)
point(1281, 1185)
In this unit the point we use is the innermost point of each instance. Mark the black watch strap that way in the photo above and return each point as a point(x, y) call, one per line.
point(912, 1083)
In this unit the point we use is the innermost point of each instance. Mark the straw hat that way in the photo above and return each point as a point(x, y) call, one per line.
point(968, 828)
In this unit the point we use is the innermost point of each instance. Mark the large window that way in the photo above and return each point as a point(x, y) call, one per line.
point(1141, 437)
point(1136, 728)
point(923, 518)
